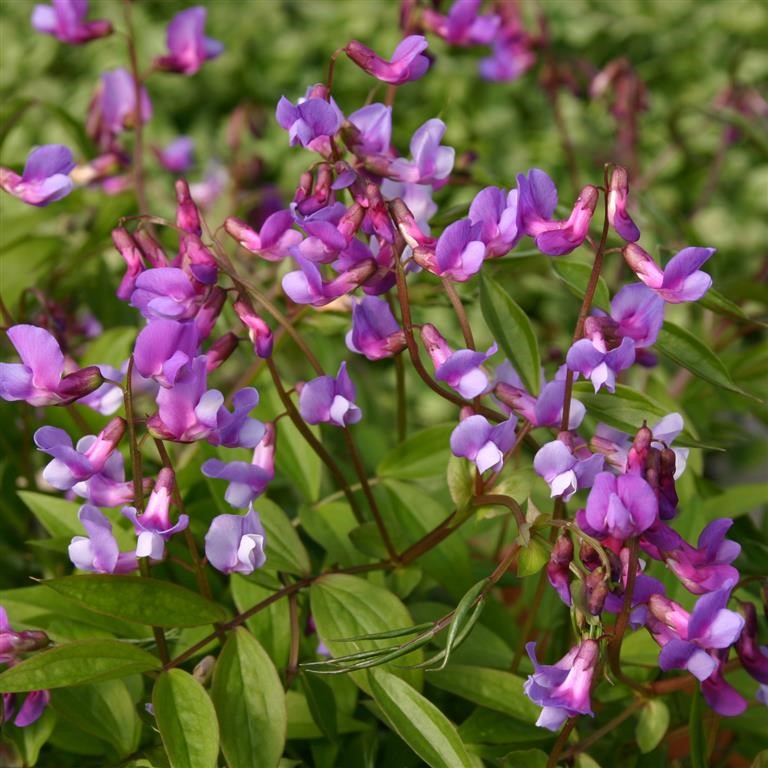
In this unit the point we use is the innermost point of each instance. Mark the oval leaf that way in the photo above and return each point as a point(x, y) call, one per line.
point(284, 550)
point(576, 274)
point(423, 454)
point(425, 729)
point(86, 661)
point(250, 703)
point(186, 719)
point(513, 331)
point(143, 600)
point(652, 725)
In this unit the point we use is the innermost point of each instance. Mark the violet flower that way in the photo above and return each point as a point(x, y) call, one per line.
point(236, 429)
point(681, 280)
point(753, 657)
point(330, 400)
point(65, 20)
point(511, 58)
point(246, 481)
point(113, 108)
point(638, 313)
point(375, 333)
point(373, 134)
point(620, 506)
point(722, 697)
point(259, 332)
point(312, 121)
point(163, 347)
point(166, 292)
point(45, 178)
point(39, 378)
point(558, 567)
point(306, 286)
point(32, 708)
point(109, 488)
point(619, 219)
point(73, 465)
point(12, 644)
point(431, 163)
point(593, 359)
point(235, 543)
point(178, 156)
point(272, 242)
point(459, 252)
point(407, 62)
point(98, 552)
point(475, 439)
point(496, 212)
point(153, 525)
point(188, 47)
point(562, 689)
point(565, 470)
point(463, 25)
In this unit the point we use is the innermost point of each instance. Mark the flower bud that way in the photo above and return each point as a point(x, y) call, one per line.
point(436, 346)
point(220, 351)
point(619, 219)
point(558, 567)
point(259, 332)
point(152, 250)
point(80, 383)
point(132, 255)
point(596, 591)
point(187, 215)
point(209, 313)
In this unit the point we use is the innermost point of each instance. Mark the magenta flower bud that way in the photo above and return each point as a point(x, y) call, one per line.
point(273, 242)
point(375, 333)
point(619, 219)
point(209, 312)
point(187, 215)
point(753, 657)
point(65, 20)
point(558, 567)
point(46, 176)
point(596, 590)
point(132, 255)
point(152, 250)
point(259, 332)
point(406, 223)
point(235, 543)
point(187, 45)
point(407, 62)
point(220, 351)
point(14, 643)
point(560, 238)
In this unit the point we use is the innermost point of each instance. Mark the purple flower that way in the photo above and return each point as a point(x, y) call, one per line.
point(374, 129)
point(638, 313)
point(235, 543)
point(236, 429)
point(463, 25)
point(459, 252)
point(73, 465)
point(166, 292)
point(620, 506)
point(312, 121)
point(14, 643)
point(108, 488)
point(210, 188)
point(619, 219)
point(153, 525)
point(178, 156)
point(188, 47)
point(753, 657)
point(39, 378)
point(460, 369)
point(431, 163)
point(681, 280)
point(246, 481)
point(163, 348)
point(306, 286)
point(719, 694)
point(558, 567)
point(329, 400)
point(259, 332)
point(45, 178)
point(375, 332)
point(562, 689)
point(113, 108)
point(511, 58)
point(65, 20)
point(496, 212)
point(32, 708)
point(407, 62)
point(564, 470)
point(272, 242)
point(592, 359)
point(98, 552)
point(475, 439)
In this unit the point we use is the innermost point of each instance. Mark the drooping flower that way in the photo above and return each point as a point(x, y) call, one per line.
point(330, 400)
point(235, 543)
point(113, 107)
point(45, 177)
point(163, 347)
point(259, 332)
point(619, 219)
point(562, 689)
point(65, 20)
point(178, 156)
point(593, 359)
point(475, 439)
point(463, 25)
point(31, 709)
point(681, 280)
point(12, 643)
point(188, 47)
point(375, 333)
point(312, 121)
point(431, 163)
point(373, 135)
point(753, 657)
point(566, 469)
point(721, 696)
point(620, 506)
point(306, 285)
point(496, 212)
point(39, 378)
point(272, 242)
point(406, 63)
point(99, 552)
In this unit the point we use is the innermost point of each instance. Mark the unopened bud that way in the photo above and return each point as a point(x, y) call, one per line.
point(80, 383)
point(204, 669)
point(436, 346)
point(152, 250)
point(597, 591)
point(187, 215)
point(132, 255)
point(209, 313)
point(259, 332)
point(220, 351)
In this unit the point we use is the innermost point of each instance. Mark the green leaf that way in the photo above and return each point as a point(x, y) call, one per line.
point(423, 454)
point(735, 501)
point(698, 739)
point(485, 726)
point(367, 539)
point(30, 739)
point(143, 600)
point(104, 710)
point(284, 549)
point(330, 525)
point(652, 725)
point(270, 626)
point(85, 661)
point(422, 726)
point(576, 274)
point(461, 482)
point(250, 703)
point(490, 688)
point(186, 720)
point(347, 606)
point(714, 301)
point(513, 331)
point(532, 558)
point(111, 347)
point(525, 758)
point(301, 724)
point(321, 704)
point(683, 348)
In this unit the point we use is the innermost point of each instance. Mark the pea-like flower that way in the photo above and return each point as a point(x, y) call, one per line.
point(330, 400)
point(163, 347)
point(178, 156)
point(567, 469)
point(39, 378)
point(475, 439)
point(113, 107)
point(681, 280)
point(373, 130)
point(235, 543)
point(619, 219)
point(45, 178)
point(406, 63)
point(375, 333)
point(272, 242)
point(620, 506)
point(99, 552)
point(307, 286)
point(594, 359)
point(166, 292)
point(65, 20)
point(188, 47)
point(463, 25)
point(312, 121)
point(431, 163)
point(496, 212)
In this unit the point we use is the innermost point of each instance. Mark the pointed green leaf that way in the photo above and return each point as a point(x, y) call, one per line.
point(513, 331)
point(284, 549)
point(143, 600)
point(321, 704)
point(422, 454)
point(250, 703)
point(576, 274)
point(532, 558)
point(85, 661)
point(186, 720)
